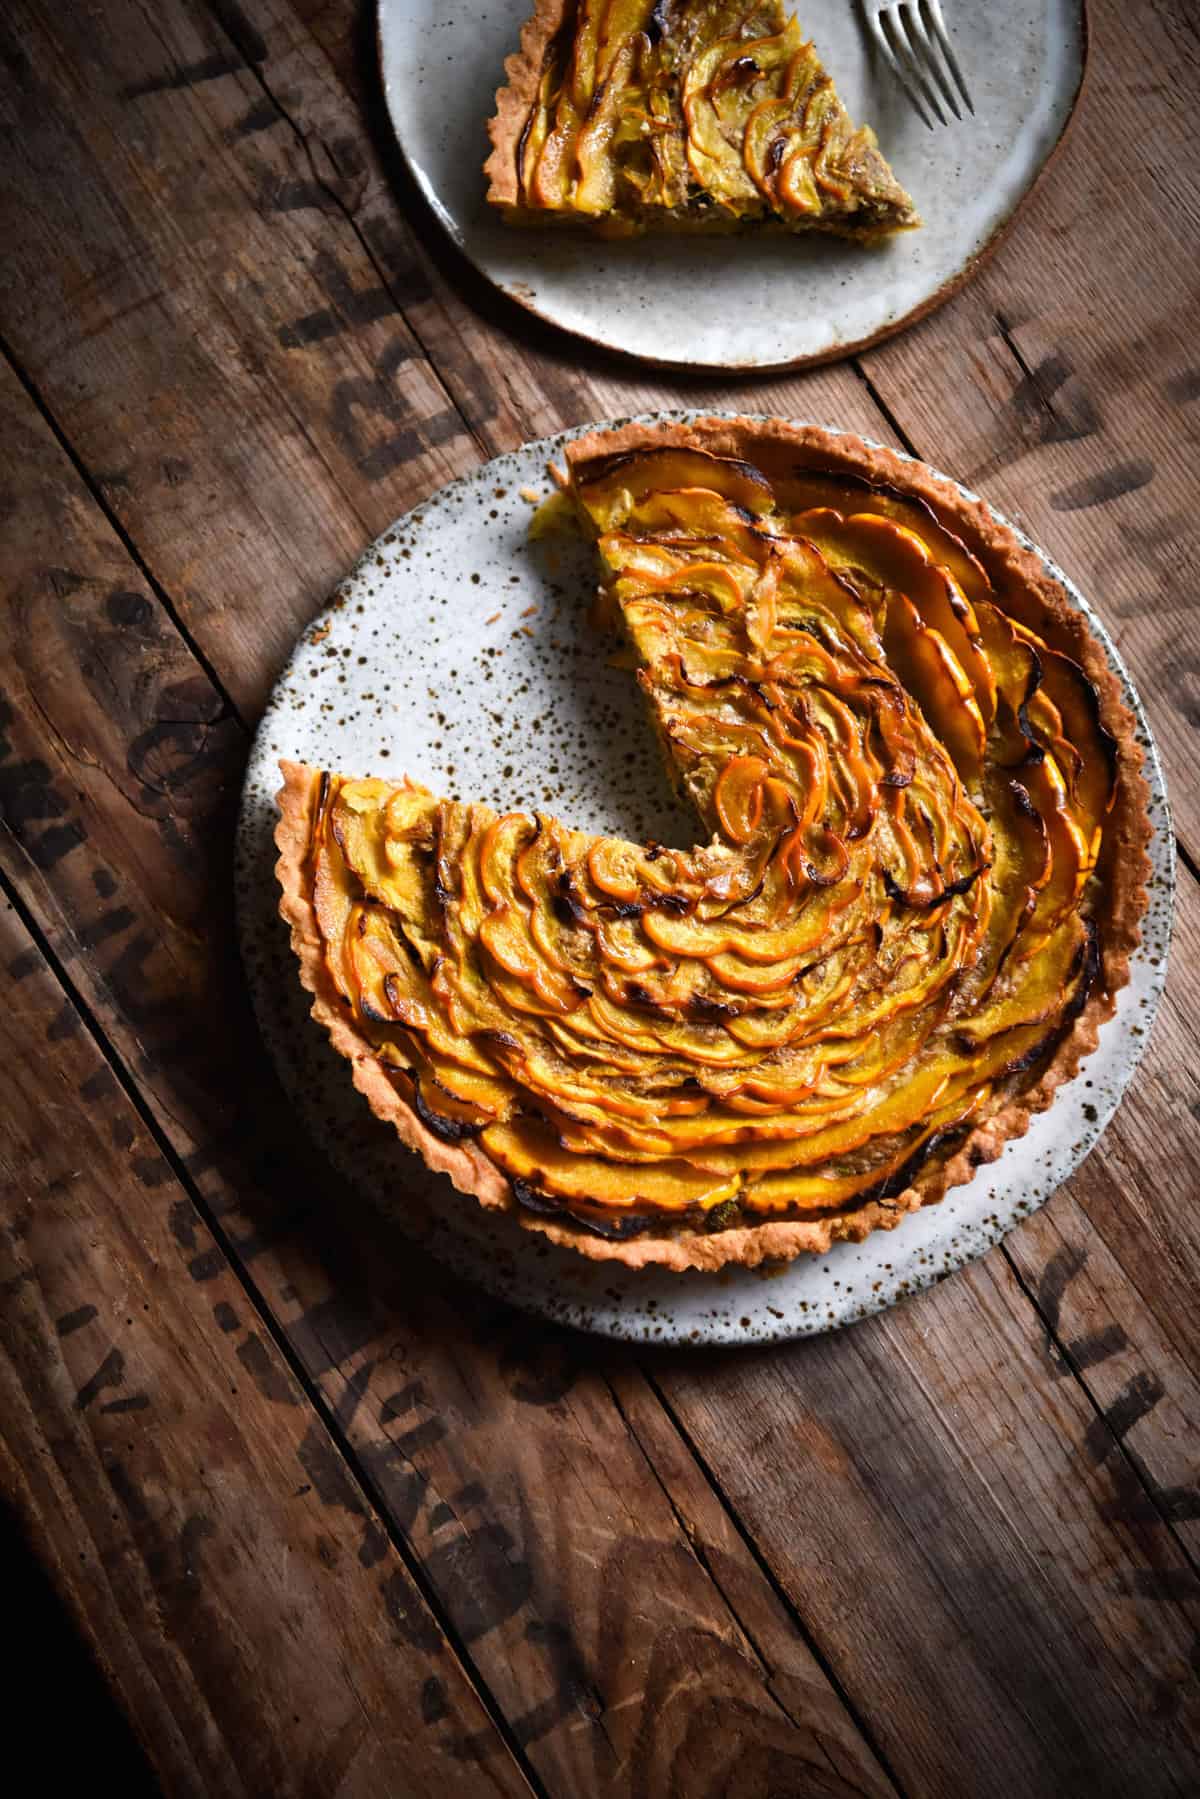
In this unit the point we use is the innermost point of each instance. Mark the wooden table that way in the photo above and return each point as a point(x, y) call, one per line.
point(330, 1522)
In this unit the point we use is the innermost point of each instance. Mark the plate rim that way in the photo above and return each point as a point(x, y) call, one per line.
point(556, 1308)
point(696, 365)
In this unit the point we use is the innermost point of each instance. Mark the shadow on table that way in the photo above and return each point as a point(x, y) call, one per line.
point(92, 1736)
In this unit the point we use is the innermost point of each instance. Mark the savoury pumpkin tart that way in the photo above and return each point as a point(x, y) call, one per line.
point(923, 870)
point(684, 116)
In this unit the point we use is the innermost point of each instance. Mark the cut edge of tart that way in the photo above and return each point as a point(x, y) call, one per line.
point(767, 146)
point(1034, 600)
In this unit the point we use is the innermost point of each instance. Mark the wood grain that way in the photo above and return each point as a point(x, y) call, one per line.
point(209, 278)
point(470, 1440)
point(1014, 1523)
point(950, 1551)
point(158, 1447)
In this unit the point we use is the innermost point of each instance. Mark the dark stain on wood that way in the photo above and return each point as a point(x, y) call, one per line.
point(351, 1395)
point(1183, 388)
point(48, 850)
point(405, 1399)
point(489, 1582)
point(1109, 484)
point(102, 1085)
point(65, 1023)
point(1136, 1400)
point(350, 306)
point(128, 609)
point(205, 68)
point(27, 796)
point(207, 1265)
point(373, 1547)
point(331, 1332)
point(260, 117)
point(224, 1316)
point(127, 1492)
point(433, 1701)
point(574, 1689)
point(136, 1402)
point(109, 924)
point(181, 1222)
point(294, 193)
point(1166, 1586)
point(421, 1436)
point(1049, 402)
point(327, 1472)
point(241, 29)
point(1056, 1277)
point(110, 1373)
point(414, 1627)
point(175, 472)
point(73, 1321)
point(267, 1371)
point(1098, 1346)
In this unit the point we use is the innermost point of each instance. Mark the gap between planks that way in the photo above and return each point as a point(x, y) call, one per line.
point(277, 1331)
point(130, 547)
point(229, 22)
point(323, 1411)
point(760, 1562)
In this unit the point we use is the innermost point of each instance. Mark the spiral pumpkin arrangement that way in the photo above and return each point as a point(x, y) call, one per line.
point(919, 888)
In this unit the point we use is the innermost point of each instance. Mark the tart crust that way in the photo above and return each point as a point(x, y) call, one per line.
point(515, 101)
point(523, 70)
point(1033, 597)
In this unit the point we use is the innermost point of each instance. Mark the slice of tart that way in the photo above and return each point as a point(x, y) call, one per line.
point(919, 878)
point(630, 116)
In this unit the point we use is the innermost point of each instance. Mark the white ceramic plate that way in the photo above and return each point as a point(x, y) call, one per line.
point(754, 303)
point(430, 661)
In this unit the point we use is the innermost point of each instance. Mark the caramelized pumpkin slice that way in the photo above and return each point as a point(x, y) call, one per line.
point(928, 668)
point(530, 1154)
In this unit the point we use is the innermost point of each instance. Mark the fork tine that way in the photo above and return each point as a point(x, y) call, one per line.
point(898, 20)
point(938, 26)
point(893, 63)
point(929, 57)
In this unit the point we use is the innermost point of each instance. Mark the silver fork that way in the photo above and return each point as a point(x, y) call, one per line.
point(911, 35)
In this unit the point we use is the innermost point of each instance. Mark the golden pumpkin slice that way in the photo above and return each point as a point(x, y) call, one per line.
point(628, 117)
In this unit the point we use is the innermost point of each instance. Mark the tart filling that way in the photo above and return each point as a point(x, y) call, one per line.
point(682, 116)
point(921, 880)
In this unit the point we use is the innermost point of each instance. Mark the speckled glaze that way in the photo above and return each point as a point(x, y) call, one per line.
point(460, 653)
point(749, 303)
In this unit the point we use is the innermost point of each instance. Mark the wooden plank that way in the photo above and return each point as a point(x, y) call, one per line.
point(954, 1513)
point(1064, 383)
point(499, 1452)
point(1114, 1262)
point(917, 1612)
point(170, 1467)
point(167, 263)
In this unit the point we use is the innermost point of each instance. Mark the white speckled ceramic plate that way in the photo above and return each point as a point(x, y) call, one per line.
point(753, 303)
point(460, 653)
